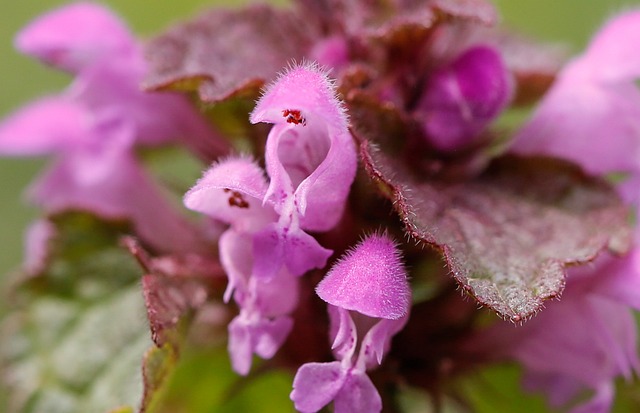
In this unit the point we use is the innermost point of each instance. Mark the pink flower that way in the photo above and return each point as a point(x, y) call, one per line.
point(93, 127)
point(311, 161)
point(463, 97)
point(591, 115)
point(231, 191)
point(368, 294)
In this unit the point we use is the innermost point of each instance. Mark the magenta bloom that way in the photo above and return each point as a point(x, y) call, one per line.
point(591, 115)
point(76, 37)
point(463, 97)
point(368, 294)
point(231, 191)
point(93, 127)
point(311, 162)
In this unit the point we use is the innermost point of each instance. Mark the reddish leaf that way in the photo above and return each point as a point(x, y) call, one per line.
point(479, 10)
point(174, 287)
point(508, 233)
point(226, 53)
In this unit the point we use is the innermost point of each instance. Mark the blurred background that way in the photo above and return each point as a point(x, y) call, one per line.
point(21, 79)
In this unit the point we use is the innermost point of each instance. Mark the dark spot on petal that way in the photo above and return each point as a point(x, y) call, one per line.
point(294, 116)
point(236, 199)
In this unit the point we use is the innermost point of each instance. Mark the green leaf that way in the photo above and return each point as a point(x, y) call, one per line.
point(498, 389)
point(77, 332)
point(202, 382)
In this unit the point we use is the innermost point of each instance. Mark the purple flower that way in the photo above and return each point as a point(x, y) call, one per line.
point(463, 97)
point(591, 115)
point(368, 294)
point(92, 128)
point(77, 36)
point(310, 154)
point(311, 161)
point(231, 191)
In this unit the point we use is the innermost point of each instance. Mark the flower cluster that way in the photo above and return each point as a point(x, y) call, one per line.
point(332, 204)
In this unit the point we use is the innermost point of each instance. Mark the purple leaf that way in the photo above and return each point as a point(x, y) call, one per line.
point(480, 10)
point(226, 52)
point(508, 233)
point(175, 287)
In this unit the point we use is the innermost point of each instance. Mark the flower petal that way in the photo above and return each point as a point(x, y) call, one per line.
point(357, 395)
point(231, 191)
point(462, 98)
point(613, 54)
point(343, 332)
point(275, 246)
point(378, 340)
point(316, 384)
point(370, 279)
point(48, 125)
point(310, 153)
point(591, 115)
point(270, 334)
point(75, 36)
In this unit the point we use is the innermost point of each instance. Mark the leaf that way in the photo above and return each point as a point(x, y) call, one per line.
point(158, 364)
point(507, 233)
point(76, 333)
point(202, 382)
point(481, 11)
point(175, 287)
point(226, 53)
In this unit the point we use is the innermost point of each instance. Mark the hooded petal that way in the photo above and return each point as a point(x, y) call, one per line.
point(316, 385)
point(310, 153)
point(75, 36)
point(231, 191)
point(370, 279)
